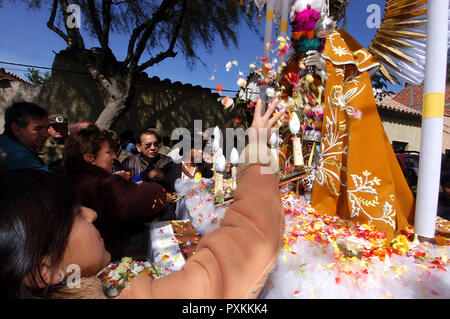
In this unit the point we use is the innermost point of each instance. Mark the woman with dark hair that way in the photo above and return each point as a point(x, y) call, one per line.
point(42, 231)
point(121, 205)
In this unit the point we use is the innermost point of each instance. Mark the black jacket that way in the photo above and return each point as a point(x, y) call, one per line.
point(137, 166)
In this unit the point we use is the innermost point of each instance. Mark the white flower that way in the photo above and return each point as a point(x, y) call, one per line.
point(252, 66)
point(227, 102)
point(282, 105)
point(291, 101)
point(242, 82)
point(114, 275)
point(270, 92)
point(113, 292)
point(228, 66)
point(137, 268)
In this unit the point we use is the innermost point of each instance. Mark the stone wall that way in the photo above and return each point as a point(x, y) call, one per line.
point(164, 104)
point(16, 91)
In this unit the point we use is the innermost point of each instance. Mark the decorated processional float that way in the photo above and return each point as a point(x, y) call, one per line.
point(353, 228)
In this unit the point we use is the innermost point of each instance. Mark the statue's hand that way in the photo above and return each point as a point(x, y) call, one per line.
point(314, 58)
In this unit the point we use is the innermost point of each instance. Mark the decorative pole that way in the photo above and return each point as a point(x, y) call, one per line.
point(268, 30)
point(234, 159)
point(285, 8)
point(432, 119)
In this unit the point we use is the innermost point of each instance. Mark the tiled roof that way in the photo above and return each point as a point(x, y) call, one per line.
point(412, 95)
point(6, 75)
point(389, 103)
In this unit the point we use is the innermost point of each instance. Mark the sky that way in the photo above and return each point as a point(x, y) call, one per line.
point(25, 39)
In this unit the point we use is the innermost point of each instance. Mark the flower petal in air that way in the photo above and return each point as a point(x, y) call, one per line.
point(227, 102)
point(219, 88)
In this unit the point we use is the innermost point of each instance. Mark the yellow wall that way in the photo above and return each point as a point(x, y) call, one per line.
point(402, 130)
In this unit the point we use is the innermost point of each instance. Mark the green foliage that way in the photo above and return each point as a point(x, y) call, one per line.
point(34, 76)
point(381, 85)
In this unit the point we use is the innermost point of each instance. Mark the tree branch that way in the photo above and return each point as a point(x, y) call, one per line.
point(106, 9)
point(83, 53)
point(100, 78)
point(147, 28)
point(51, 23)
point(96, 22)
point(132, 41)
point(169, 53)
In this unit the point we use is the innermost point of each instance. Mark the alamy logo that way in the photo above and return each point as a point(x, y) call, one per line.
point(74, 18)
point(220, 143)
point(374, 19)
point(74, 279)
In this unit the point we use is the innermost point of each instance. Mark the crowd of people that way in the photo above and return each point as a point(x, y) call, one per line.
point(56, 185)
point(125, 181)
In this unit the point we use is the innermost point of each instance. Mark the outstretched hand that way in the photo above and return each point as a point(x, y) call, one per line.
point(262, 125)
point(314, 58)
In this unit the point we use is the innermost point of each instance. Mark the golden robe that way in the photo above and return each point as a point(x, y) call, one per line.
point(358, 175)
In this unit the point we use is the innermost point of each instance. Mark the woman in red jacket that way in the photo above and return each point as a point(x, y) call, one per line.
point(121, 205)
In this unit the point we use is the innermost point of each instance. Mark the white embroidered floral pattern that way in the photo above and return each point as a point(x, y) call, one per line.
point(366, 185)
point(331, 171)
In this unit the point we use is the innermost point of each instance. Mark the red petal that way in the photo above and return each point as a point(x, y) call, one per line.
point(219, 88)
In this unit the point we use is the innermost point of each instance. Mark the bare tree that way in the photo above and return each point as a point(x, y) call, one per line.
point(161, 28)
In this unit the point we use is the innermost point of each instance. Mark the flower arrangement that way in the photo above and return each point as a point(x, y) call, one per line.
point(115, 276)
point(267, 76)
point(299, 88)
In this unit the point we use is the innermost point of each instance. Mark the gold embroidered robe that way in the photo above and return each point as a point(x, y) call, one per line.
point(358, 175)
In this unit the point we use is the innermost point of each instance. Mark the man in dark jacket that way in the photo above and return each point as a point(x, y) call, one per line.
point(26, 127)
point(149, 164)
